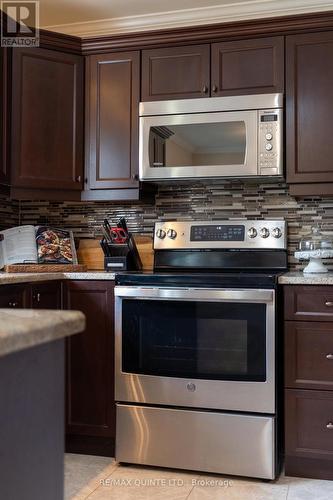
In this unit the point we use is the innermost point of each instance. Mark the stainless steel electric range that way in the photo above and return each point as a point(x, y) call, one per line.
point(196, 349)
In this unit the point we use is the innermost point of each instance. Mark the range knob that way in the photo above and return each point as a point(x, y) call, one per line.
point(252, 232)
point(268, 136)
point(268, 147)
point(277, 233)
point(264, 232)
point(172, 234)
point(160, 233)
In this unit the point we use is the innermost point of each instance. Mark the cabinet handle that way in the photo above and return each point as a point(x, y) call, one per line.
point(214, 89)
point(205, 89)
point(38, 297)
point(329, 356)
point(13, 304)
point(135, 177)
point(329, 304)
point(78, 178)
point(329, 425)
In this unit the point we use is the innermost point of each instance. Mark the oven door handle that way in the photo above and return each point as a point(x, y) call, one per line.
point(200, 294)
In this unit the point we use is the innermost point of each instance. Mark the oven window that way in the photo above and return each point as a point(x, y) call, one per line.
point(198, 144)
point(204, 340)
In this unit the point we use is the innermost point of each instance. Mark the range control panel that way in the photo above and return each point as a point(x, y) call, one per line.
point(217, 233)
point(240, 234)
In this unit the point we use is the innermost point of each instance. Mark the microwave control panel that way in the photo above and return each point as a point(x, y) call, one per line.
point(270, 141)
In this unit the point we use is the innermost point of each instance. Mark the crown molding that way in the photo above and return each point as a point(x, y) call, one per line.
point(240, 11)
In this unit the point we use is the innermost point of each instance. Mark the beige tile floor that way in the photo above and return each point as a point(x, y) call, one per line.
point(100, 478)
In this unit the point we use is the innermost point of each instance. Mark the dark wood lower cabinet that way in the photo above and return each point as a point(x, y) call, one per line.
point(309, 433)
point(14, 296)
point(90, 415)
point(46, 295)
point(308, 365)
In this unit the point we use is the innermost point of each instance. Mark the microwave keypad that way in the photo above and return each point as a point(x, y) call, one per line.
point(268, 131)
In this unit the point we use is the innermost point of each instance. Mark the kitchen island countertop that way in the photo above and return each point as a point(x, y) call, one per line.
point(23, 328)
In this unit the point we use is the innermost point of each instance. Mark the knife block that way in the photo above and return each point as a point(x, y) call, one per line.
point(124, 257)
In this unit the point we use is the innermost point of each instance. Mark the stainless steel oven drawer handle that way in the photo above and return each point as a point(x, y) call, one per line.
point(329, 356)
point(329, 425)
point(329, 304)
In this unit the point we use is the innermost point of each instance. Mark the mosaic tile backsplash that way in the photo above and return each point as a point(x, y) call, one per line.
point(9, 213)
point(215, 200)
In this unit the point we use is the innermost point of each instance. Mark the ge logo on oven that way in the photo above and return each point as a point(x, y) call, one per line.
point(191, 387)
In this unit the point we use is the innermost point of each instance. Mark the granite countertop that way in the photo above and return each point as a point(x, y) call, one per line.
point(299, 278)
point(289, 278)
point(24, 328)
point(12, 278)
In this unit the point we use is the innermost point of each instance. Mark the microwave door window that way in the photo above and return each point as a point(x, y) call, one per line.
point(198, 144)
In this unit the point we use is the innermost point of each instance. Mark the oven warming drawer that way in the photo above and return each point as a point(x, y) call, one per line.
point(227, 443)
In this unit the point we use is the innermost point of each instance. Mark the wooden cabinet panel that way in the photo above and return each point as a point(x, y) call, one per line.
point(308, 302)
point(309, 108)
point(308, 355)
point(46, 295)
point(47, 120)
point(112, 134)
point(14, 296)
point(309, 425)
point(90, 360)
point(175, 73)
point(253, 66)
point(4, 116)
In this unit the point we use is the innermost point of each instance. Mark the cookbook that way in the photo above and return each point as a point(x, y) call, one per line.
point(36, 245)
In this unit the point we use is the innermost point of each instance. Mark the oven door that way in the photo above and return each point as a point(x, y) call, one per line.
point(199, 145)
point(202, 348)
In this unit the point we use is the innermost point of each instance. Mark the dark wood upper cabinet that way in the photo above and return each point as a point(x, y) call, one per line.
point(243, 67)
point(176, 73)
point(112, 121)
point(47, 120)
point(309, 111)
point(4, 117)
point(90, 360)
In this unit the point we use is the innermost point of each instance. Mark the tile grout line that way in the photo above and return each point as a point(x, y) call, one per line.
point(287, 492)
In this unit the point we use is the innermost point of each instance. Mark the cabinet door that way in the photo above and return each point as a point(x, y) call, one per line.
point(14, 296)
point(4, 117)
point(248, 67)
point(309, 433)
point(308, 355)
point(112, 120)
point(46, 295)
point(309, 107)
point(175, 73)
point(47, 120)
point(90, 360)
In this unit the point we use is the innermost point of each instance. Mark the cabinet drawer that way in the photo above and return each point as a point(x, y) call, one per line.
point(311, 303)
point(309, 355)
point(309, 424)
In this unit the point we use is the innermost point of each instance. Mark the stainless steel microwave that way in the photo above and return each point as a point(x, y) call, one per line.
point(214, 137)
